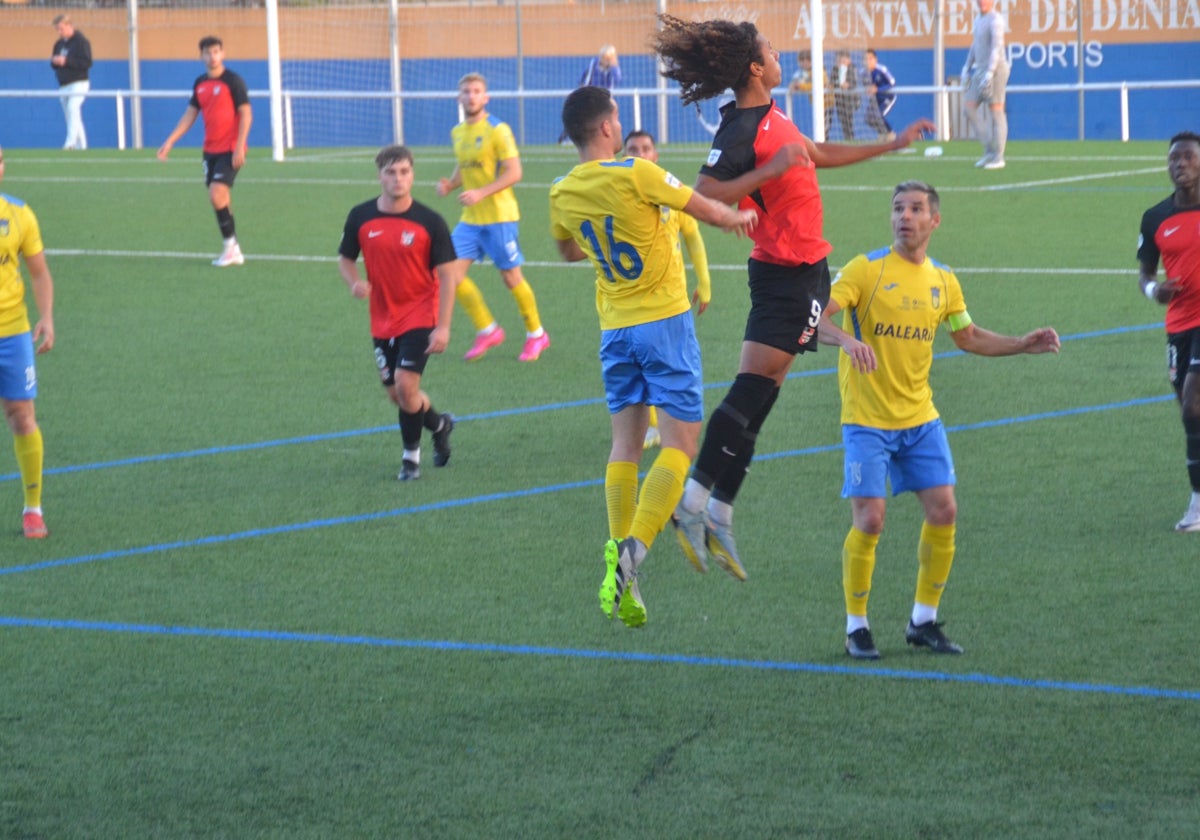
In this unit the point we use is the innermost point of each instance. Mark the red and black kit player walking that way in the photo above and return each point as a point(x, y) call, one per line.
point(1171, 233)
point(220, 96)
point(411, 279)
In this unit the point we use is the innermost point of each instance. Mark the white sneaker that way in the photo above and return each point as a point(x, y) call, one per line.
point(230, 256)
point(1190, 521)
point(994, 164)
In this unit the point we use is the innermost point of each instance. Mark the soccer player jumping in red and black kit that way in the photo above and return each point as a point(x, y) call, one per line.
point(1171, 231)
point(221, 96)
point(760, 160)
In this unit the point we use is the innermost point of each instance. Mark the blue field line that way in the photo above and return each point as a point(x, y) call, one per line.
point(254, 533)
point(446, 504)
point(508, 412)
point(583, 653)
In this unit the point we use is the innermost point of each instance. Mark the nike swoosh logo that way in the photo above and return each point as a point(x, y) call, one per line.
point(371, 234)
point(1169, 231)
point(727, 451)
point(766, 125)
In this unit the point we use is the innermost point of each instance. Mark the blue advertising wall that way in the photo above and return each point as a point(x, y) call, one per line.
point(1155, 114)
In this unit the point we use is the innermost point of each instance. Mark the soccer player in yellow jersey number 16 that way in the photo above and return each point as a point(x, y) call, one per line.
point(20, 238)
point(488, 167)
point(617, 214)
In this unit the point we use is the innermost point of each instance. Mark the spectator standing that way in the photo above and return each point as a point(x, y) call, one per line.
point(846, 96)
point(71, 60)
point(802, 82)
point(880, 82)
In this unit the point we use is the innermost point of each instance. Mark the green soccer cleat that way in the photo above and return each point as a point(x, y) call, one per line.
point(608, 586)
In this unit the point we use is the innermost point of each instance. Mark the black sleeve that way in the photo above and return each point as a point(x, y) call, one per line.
point(237, 90)
point(349, 247)
point(732, 152)
point(1147, 252)
point(80, 58)
point(441, 245)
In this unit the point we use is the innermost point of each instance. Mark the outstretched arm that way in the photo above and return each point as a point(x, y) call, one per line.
point(828, 155)
point(977, 340)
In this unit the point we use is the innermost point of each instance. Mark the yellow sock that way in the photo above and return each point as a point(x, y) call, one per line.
point(935, 553)
point(653, 416)
point(620, 492)
point(858, 567)
point(527, 305)
point(661, 492)
point(471, 300)
point(29, 460)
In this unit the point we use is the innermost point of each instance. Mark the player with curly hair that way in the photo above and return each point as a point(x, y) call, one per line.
point(759, 160)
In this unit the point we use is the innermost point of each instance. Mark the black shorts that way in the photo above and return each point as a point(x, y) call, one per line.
point(1183, 356)
point(405, 351)
point(786, 302)
point(219, 168)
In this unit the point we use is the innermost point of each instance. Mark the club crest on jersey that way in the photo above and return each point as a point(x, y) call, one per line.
point(407, 238)
point(479, 142)
point(3, 227)
point(216, 90)
point(935, 297)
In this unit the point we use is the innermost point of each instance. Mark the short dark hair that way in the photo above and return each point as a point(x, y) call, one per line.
point(392, 154)
point(637, 132)
point(211, 41)
point(935, 201)
point(583, 111)
point(1184, 136)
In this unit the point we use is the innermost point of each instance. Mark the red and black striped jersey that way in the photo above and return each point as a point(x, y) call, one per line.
point(400, 251)
point(1172, 234)
point(218, 101)
point(790, 215)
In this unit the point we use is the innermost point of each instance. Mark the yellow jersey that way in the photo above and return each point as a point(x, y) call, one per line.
point(894, 306)
point(19, 236)
point(479, 148)
point(620, 214)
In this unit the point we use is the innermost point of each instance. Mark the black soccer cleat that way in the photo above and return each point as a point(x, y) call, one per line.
point(930, 635)
point(860, 645)
point(409, 471)
point(441, 441)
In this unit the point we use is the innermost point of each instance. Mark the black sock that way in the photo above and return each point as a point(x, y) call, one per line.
point(410, 429)
point(726, 488)
point(725, 436)
point(225, 223)
point(1191, 428)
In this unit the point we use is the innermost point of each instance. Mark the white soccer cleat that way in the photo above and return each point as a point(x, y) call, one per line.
point(1190, 521)
point(230, 256)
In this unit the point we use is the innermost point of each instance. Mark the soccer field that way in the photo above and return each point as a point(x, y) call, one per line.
point(242, 625)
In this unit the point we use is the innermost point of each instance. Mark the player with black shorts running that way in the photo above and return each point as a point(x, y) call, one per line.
point(759, 160)
point(411, 276)
point(220, 96)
